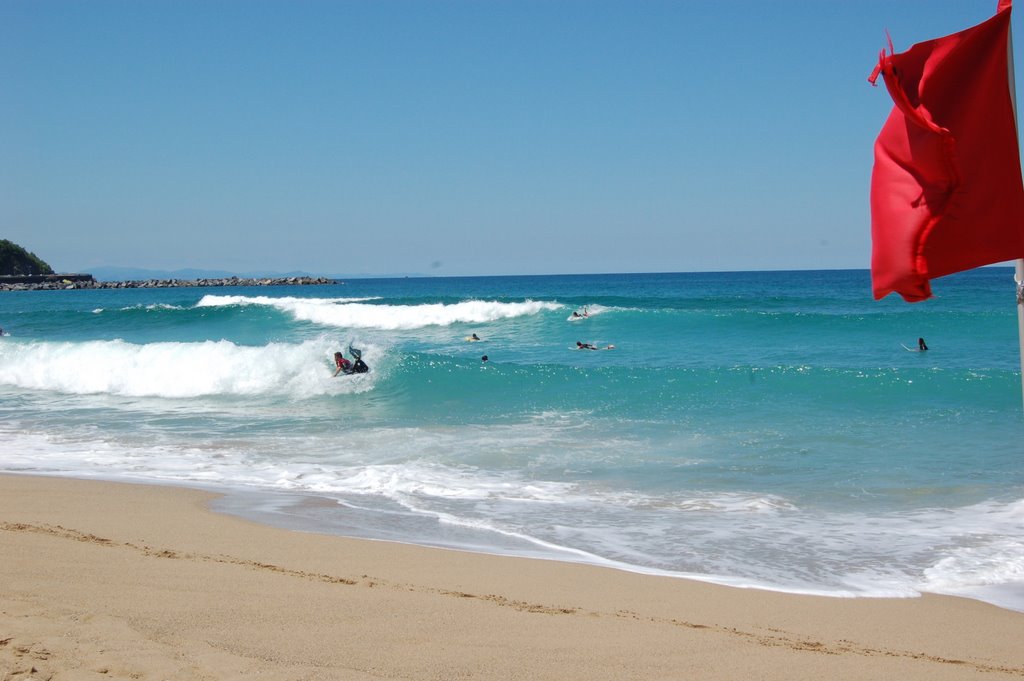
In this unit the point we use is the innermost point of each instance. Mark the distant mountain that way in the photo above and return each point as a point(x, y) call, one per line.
point(139, 274)
point(15, 260)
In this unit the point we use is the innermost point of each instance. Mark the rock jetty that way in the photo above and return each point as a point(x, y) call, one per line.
point(61, 282)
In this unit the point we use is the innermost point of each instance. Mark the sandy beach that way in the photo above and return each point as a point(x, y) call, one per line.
point(112, 581)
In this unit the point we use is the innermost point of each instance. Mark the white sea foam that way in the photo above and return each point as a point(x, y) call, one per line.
point(355, 313)
point(995, 555)
point(696, 533)
point(212, 300)
point(595, 309)
point(152, 306)
point(178, 370)
point(996, 561)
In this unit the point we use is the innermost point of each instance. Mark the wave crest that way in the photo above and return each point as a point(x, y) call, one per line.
point(178, 370)
point(355, 313)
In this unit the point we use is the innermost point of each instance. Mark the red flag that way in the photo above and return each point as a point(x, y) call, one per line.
point(946, 191)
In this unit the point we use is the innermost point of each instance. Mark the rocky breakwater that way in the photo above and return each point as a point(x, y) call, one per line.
point(61, 282)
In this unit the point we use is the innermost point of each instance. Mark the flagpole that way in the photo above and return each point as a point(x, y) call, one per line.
point(1018, 277)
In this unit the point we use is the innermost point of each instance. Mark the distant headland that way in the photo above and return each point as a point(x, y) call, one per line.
point(61, 282)
point(21, 270)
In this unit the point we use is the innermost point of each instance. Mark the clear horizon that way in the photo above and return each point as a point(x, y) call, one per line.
point(216, 272)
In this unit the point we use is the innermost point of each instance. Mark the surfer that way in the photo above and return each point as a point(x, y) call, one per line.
point(473, 337)
point(343, 364)
point(921, 345)
point(347, 367)
point(484, 358)
point(591, 346)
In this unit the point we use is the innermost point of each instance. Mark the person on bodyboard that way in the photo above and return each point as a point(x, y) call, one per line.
point(591, 346)
point(343, 365)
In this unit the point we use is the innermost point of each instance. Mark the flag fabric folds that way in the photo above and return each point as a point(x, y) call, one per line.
point(946, 191)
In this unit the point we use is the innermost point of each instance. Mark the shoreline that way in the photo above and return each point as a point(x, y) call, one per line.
point(303, 511)
point(146, 581)
point(298, 512)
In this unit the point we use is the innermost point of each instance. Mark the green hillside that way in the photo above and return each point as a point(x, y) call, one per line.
point(16, 260)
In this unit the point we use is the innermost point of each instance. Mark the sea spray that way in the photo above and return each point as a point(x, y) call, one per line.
point(350, 313)
point(176, 370)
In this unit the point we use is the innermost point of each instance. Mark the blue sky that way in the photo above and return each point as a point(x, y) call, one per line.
point(447, 137)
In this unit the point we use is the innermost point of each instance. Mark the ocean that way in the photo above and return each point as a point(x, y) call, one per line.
point(758, 429)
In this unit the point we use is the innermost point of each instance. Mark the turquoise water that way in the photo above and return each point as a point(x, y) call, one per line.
point(762, 429)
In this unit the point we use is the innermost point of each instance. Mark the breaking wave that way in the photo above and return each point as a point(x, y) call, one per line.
point(359, 314)
point(179, 370)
